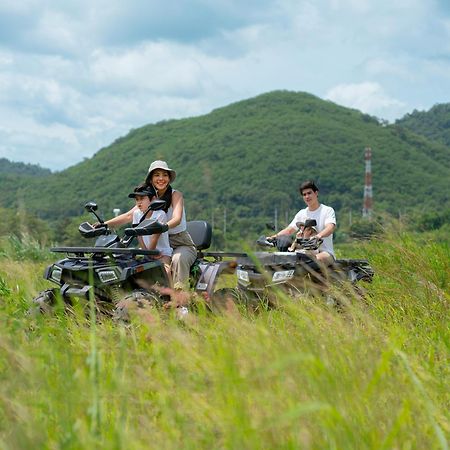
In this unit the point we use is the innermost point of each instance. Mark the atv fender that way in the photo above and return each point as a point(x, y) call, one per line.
point(209, 273)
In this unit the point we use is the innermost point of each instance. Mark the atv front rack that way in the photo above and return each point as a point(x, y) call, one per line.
point(81, 251)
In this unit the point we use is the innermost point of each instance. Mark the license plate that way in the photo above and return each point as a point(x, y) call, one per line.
point(283, 275)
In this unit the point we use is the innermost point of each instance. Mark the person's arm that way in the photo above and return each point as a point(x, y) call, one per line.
point(152, 244)
point(121, 219)
point(285, 231)
point(159, 216)
point(327, 231)
point(177, 207)
point(330, 224)
point(291, 228)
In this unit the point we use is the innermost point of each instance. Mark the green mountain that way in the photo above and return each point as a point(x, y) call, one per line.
point(246, 160)
point(433, 124)
point(19, 168)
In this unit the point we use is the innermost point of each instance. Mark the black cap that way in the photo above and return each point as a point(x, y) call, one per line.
point(143, 190)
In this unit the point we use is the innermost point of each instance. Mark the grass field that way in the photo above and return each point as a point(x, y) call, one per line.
point(376, 375)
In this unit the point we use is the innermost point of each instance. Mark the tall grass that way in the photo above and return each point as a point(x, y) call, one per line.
point(302, 376)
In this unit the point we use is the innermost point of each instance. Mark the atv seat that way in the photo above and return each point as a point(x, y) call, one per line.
point(201, 233)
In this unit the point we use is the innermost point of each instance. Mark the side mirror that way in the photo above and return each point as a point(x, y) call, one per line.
point(157, 204)
point(91, 206)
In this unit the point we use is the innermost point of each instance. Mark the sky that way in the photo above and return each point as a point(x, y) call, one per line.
point(78, 74)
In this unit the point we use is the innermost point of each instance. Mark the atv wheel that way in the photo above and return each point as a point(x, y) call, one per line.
point(44, 303)
point(138, 303)
point(224, 299)
point(227, 299)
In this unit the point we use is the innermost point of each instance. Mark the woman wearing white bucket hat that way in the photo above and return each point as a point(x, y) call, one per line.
point(160, 175)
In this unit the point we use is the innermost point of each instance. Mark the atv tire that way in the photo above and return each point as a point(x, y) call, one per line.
point(227, 299)
point(138, 303)
point(43, 303)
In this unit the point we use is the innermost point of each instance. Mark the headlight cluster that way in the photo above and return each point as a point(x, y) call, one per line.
point(106, 276)
point(243, 275)
point(55, 274)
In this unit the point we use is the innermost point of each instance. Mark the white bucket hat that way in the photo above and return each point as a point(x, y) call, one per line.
point(162, 165)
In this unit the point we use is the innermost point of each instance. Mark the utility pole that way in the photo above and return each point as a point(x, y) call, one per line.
point(367, 208)
point(224, 222)
point(276, 218)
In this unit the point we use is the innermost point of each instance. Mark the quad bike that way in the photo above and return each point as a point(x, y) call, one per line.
point(110, 270)
point(120, 277)
point(262, 273)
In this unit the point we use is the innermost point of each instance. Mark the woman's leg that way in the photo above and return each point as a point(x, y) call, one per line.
point(166, 260)
point(182, 259)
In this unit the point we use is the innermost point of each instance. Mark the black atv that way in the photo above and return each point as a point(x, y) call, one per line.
point(120, 277)
point(110, 270)
point(295, 272)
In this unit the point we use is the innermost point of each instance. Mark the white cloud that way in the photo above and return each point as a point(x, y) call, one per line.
point(57, 31)
point(74, 76)
point(380, 66)
point(368, 97)
point(155, 67)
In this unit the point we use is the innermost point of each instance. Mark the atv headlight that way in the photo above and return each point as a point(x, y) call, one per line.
point(243, 275)
point(55, 274)
point(107, 276)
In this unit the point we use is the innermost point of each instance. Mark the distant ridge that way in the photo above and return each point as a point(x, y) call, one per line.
point(19, 168)
point(433, 124)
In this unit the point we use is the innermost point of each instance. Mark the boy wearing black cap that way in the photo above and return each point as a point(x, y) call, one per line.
point(143, 195)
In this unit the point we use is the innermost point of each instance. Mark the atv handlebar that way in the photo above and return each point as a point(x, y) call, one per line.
point(309, 244)
point(265, 241)
point(282, 243)
point(88, 231)
point(146, 228)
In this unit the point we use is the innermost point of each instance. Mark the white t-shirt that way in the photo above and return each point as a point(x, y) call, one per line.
point(323, 216)
point(163, 242)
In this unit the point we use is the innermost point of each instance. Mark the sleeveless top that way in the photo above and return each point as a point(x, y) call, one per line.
point(182, 225)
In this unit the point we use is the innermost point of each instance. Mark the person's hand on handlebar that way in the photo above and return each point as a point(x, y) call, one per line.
point(316, 240)
point(98, 225)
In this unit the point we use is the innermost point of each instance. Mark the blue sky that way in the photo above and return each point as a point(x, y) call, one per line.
point(76, 75)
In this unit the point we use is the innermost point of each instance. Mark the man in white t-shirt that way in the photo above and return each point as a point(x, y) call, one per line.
point(324, 216)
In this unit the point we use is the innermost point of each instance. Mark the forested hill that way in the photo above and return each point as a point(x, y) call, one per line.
point(433, 124)
point(246, 160)
point(18, 168)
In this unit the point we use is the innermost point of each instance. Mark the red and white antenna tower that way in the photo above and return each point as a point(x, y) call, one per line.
point(367, 209)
